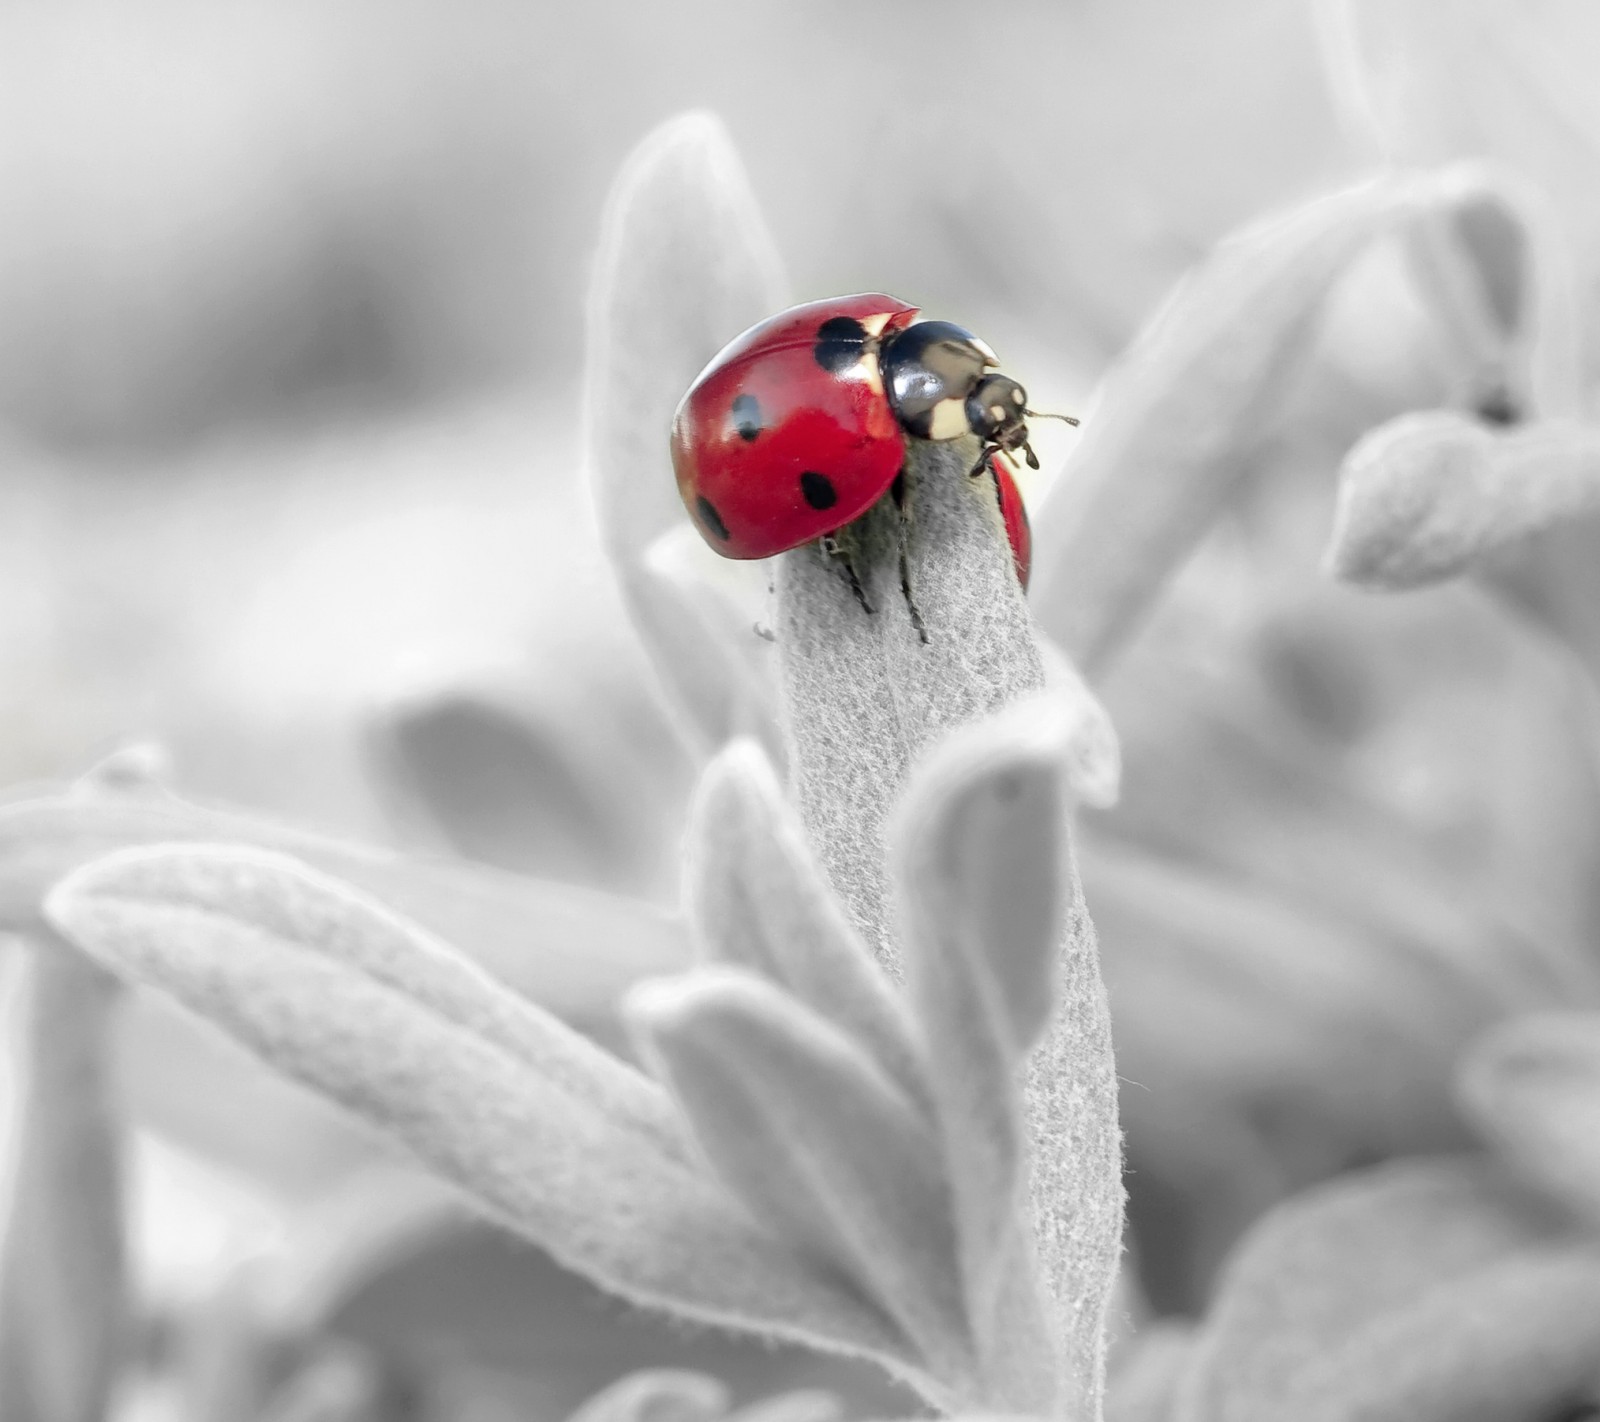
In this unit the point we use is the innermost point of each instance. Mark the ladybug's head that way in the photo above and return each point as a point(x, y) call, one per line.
point(995, 411)
point(942, 384)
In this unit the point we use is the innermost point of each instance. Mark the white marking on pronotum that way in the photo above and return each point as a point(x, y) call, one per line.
point(948, 420)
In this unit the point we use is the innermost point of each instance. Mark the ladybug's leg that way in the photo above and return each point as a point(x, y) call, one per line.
point(830, 551)
point(898, 490)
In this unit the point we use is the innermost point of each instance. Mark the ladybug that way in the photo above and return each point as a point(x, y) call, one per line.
point(799, 426)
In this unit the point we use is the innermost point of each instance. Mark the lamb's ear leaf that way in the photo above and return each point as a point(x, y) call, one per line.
point(715, 608)
point(1429, 495)
point(560, 1141)
point(757, 898)
point(394, 1262)
point(1437, 1286)
point(1533, 1087)
point(819, 1142)
point(801, 1405)
point(1179, 422)
point(1168, 436)
point(685, 264)
point(517, 778)
point(62, 1306)
point(865, 695)
point(982, 866)
point(657, 1395)
point(1145, 1372)
point(1094, 750)
point(1484, 258)
point(572, 950)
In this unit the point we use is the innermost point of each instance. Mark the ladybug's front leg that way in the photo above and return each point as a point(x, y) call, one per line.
point(897, 491)
point(833, 551)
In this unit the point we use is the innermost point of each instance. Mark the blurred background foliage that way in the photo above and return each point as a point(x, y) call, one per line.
point(291, 297)
point(291, 336)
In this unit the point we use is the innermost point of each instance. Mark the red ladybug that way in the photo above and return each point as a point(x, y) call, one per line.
point(1019, 532)
point(799, 426)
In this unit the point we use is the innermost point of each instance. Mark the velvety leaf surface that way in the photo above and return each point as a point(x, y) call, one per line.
point(1144, 1377)
point(63, 1310)
point(1533, 1087)
point(660, 1395)
point(980, 855)
point(819, 1142)
point(685, 265)
point(1182, 413)
point(1429, 495)
point(575, 779)
point(570, 949)
point(864, 698)
point(756, 898)
point(1417, 1291)
point(561, 1141)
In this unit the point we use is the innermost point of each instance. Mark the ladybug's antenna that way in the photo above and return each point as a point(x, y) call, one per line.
point(1046, 415)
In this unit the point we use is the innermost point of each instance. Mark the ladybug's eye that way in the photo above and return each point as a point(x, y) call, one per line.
point(996, 408)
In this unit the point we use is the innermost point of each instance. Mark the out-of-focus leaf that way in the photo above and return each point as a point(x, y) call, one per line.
point(1424, 1292)
point(801, 1405)
point(723, 606)
point(756, 898)
point(1185, 412)
point(864, 697)
point(685, 265)
point(338, 1384)
point(570, 949)
point(1472, 260)
point(1431, 85)
point(1094, 753)
point(1265, 1045)
point(1533, 1086)
point(1554, 578)
point(1143, 1385)
point(535, 787)
point(657, 1395)
point(62, 1305)
point(673, 1395)
point(1428, 495)
point(435, 1286)
point(565, 1143)
point(982, 866)
point(1230, 782)
point(819, 1142)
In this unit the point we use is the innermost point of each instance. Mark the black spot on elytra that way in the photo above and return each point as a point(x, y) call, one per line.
point(841, 342)
point(710, 517)
point(818, 490)
point(746, 414)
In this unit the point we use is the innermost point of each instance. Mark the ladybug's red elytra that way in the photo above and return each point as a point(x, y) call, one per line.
point(799, 426)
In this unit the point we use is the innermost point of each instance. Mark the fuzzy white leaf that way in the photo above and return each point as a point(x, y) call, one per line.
point(1533, 1087)
point(1180, 419)
point(685, 265)
point(757, 899)
point(980, 861)
point(564, 1143)
point(1428, 495)
point(62, 1304)
point(864, 697)
point(1418, 1292)
point(657, 1395)
point(572, 950)
point(818, 1141)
